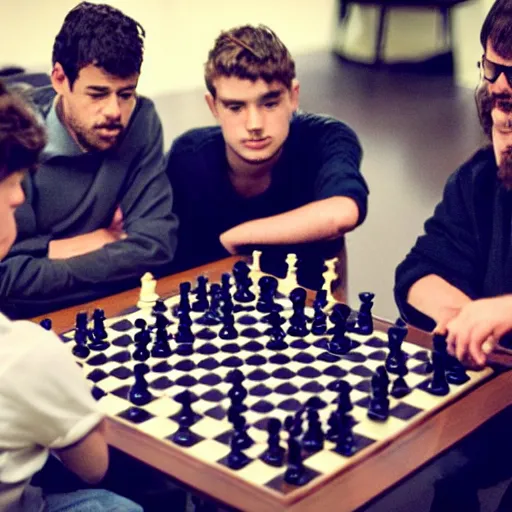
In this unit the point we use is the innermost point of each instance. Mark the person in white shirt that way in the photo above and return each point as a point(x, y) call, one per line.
point(42, 410)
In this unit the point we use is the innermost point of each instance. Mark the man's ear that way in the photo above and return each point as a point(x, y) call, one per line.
point(294, 94)
point(210, 101)
point(59, 79)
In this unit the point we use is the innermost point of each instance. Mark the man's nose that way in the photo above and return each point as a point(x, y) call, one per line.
point(254, 121)
point(111, 108)
point(17, 197)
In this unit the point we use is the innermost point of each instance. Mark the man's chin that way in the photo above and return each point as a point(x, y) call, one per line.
point(100, 144)
point(258, 157)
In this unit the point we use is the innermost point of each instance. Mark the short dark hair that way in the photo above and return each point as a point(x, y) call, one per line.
point(101, 35)
point(497, 28)
point(249, 52)
point(22, 136)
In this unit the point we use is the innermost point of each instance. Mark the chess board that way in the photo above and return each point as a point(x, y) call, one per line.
point(279, 383)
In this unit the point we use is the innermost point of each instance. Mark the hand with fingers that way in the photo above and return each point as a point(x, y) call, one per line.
point(474, 332)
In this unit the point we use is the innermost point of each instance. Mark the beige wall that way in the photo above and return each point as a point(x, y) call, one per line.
point(468, 21)
point(179, 32)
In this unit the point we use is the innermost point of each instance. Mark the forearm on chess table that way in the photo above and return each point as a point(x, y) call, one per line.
point(83, 244)
point(437, 298)
point(320, 220)
point(88, 458)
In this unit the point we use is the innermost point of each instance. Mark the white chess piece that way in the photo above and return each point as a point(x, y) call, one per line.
point(330, 276)
point(291, 274)
point(148, 295)
point(256, 256)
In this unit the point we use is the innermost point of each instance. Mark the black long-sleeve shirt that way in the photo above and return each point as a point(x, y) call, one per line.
point(466, 241)
point(320, 159)
point(75, 192)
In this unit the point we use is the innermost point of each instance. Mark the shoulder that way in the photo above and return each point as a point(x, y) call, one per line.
point(145, 114)
point(28, 344)
point(40, 98)
point(320, 123)
point(198, 140)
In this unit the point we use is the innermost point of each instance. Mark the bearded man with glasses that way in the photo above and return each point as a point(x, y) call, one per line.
point(457, 279)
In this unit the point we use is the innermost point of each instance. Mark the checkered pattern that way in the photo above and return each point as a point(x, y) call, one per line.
point(279, 383)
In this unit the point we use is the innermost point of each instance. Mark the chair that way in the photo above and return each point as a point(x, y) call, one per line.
point(443, 6)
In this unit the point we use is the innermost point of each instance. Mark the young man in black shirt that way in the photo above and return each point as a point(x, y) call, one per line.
point(267, 177)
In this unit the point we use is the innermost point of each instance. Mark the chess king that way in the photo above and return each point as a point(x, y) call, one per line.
point(268, 177)
point(61, 415)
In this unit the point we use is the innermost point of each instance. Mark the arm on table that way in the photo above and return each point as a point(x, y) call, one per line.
point(437, 299)
point(340, 192)
point(88, 458)
point(149, 244)
point(326, 219)
point(442, 272)
point(82, 244)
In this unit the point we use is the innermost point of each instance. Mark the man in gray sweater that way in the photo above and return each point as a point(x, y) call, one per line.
point(97, 214)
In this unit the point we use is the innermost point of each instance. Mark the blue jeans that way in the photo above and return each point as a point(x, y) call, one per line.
point(90, 500)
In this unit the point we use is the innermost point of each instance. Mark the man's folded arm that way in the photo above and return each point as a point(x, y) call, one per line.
point(150, 243)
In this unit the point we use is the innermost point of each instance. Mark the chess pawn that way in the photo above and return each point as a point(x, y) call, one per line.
point(148, 295)
point(274, 455)
point(329, 277)
point(291, 274)
point(201, 292)
point(243, 282)
point(256, 257)
point(295, 472)
point(139, 392)
point(46, 323)
point(364, 316)
point(379, 402)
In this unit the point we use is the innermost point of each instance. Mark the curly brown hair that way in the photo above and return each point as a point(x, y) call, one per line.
point(22, 136)
point(250, 53)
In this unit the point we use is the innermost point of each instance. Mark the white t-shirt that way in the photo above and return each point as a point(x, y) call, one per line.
point(45, 403)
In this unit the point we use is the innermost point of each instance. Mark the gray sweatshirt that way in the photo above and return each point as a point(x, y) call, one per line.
point(75, 192)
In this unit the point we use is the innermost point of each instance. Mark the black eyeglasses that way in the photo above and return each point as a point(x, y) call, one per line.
point(492, 71)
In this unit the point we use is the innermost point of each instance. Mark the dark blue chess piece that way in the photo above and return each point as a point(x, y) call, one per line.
point(396, 361)
point(340, 343)
point(183, 308)
point(379, 402)
point(201, 302)
point(364, 322)
point(243, 282)
point(142, 338)
point(80, 349)
point(268, 289)
point(213, 315)
point(298, 321)
point(319, 325)
point(274, 455)
point(98, 334)
point(46, 323)
point(139, 393)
